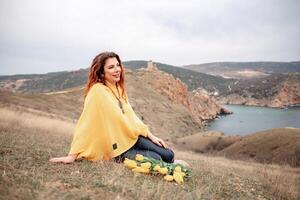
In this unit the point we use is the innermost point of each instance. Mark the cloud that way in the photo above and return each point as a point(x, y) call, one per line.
point(42, 36)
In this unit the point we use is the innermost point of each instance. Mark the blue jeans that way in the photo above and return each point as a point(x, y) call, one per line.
point(146, 147)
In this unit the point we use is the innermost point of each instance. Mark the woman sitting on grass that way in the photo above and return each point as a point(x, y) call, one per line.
point(108, 128)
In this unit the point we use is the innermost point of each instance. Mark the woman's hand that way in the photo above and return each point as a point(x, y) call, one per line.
point(67, 159)
point(157, 140)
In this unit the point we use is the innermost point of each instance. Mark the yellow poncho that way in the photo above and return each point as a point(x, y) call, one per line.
point(103, 131)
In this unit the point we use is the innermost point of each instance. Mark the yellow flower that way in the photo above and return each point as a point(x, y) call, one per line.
point(146, 165)
point(156, 168)
point(130, 163)
point(182, 174)
point(141, 170)
point(163, 170)
point(178, 177)
point(168, 178)
point(177, 169)
point(139, 157)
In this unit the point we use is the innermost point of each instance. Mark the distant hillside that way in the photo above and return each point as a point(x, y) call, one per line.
point(35, 83)
point(192, 79)
point(256, 86)
point(276, 90)
point(246, 69)
point(67, 79)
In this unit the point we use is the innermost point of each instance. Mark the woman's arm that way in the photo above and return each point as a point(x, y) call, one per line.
point(156, 140)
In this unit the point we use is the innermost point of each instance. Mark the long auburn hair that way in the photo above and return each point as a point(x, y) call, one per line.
point(96, 72)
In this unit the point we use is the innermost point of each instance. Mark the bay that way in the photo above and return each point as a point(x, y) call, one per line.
point(250, 119)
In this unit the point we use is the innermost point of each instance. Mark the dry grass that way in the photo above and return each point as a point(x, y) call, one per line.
point(203, 143)
point(35, 122)
point(273, 146)
point(65, 107)
point(278, 145)
point(281, 181)
point(28, 141)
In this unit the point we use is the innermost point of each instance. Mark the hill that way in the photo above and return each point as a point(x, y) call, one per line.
point(246, 70)
point(276, 146)
point(68, 104)
point(280, 145)
point(27, 141)
point(50, 82)
point(180, 110)
point(191, 78)
point(276, 84)
point(275, 90)
point(36, 83)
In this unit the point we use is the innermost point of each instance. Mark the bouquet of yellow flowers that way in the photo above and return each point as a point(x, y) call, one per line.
point(171, 172)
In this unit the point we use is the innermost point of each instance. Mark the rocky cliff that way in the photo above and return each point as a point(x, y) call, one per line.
point(288, 93)
point(201, 106)
point(278, 94)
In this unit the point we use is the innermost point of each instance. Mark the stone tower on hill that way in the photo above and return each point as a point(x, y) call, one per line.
point(151, 66)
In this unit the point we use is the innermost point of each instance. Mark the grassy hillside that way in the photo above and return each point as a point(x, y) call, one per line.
point(253, 88)
point(67, 79)
point(27, 141)
point(191, 78)
point(35, 127)
point(174, 120)
point(266, 67)
point(280, 145)
point(194, 76)
point(256, 88)
point(260, 88)
point(65, 106)
point(275, 146)
point(45, 82)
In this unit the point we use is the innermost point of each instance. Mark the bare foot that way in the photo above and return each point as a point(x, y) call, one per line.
point(67, 159)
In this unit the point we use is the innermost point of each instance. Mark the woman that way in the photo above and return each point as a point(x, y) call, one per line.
point(108, 128)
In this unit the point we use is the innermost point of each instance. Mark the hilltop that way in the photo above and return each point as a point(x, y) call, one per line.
point(245, 70)
point(275, 146)
point(56, 81)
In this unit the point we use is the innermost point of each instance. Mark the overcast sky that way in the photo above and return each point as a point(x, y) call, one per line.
point(39, 36)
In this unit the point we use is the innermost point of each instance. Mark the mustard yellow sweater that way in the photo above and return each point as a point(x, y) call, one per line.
point(103, 131)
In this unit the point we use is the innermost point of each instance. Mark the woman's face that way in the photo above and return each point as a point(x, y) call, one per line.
point(112, 70)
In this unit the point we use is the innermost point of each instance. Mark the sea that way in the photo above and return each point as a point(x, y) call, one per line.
point(250, 119)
